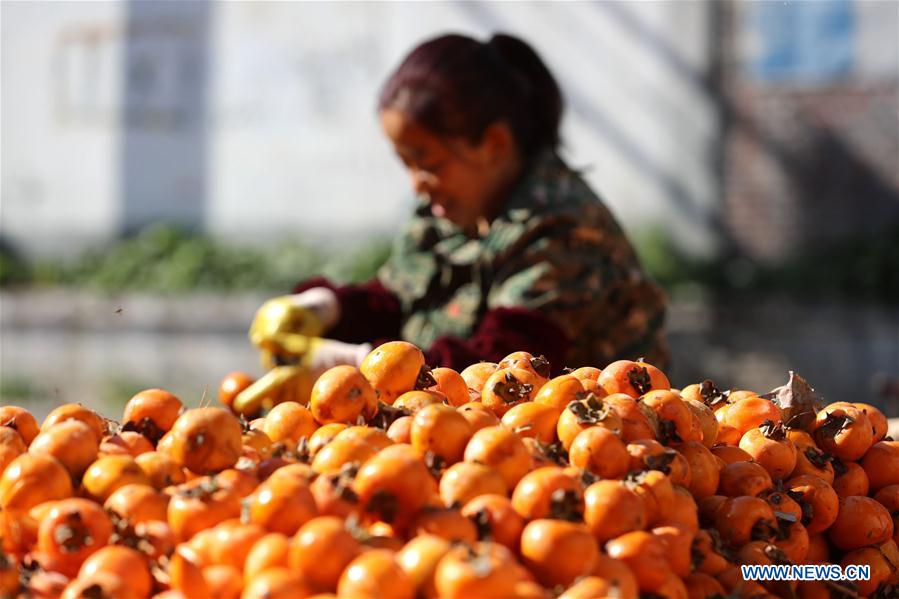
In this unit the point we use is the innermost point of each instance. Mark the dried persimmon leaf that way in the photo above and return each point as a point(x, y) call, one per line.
point(797, 400)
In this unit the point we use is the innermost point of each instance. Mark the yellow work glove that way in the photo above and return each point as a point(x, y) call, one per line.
point(280, 384)
point(283, 326)
point(294, 382)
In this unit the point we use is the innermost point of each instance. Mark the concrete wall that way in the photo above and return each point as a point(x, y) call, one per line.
point(256, 119)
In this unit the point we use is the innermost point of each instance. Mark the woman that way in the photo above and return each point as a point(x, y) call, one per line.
point(508, 248)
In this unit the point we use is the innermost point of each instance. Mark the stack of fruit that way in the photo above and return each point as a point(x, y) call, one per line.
point(398, 481)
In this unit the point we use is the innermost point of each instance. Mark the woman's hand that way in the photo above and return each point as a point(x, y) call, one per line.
point(283, 325)
point(280, 384)
point(293, 382)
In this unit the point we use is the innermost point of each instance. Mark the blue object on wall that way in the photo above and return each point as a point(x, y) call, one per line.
point(801, 41)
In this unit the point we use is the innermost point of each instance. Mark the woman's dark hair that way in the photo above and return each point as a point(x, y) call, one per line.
point(455, 85)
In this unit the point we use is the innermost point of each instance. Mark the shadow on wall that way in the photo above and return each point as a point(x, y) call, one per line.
point(836, 188)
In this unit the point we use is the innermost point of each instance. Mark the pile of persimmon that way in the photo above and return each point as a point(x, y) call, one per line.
point(397, 480)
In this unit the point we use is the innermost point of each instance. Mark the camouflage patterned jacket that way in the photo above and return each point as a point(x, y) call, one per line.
point(555, 251)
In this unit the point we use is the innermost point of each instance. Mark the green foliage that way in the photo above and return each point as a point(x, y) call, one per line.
point(859, 268)
point(165, 259)
point(662, 259)
point(13, 269)
point(15, 387)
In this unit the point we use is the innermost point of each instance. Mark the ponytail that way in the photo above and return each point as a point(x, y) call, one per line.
point(541, 100)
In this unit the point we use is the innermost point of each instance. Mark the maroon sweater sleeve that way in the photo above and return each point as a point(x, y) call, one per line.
point(501, 332)
point(367, 312)
point(370, 313)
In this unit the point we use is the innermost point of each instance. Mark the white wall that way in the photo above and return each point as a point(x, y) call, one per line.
point(289, 141)
point(59, 78)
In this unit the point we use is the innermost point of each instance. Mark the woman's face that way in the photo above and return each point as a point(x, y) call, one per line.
point(463, 181)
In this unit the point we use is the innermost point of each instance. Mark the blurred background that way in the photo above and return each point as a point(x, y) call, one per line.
point(166, 166)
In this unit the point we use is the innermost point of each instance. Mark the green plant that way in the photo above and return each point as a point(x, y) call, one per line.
point(663, 260)
point(14, 269)
point(17, 387)
point(863, 267)
point(166, 259)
